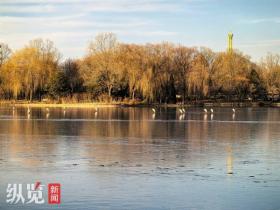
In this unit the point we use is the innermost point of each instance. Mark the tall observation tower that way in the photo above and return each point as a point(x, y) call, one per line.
point(230, 39)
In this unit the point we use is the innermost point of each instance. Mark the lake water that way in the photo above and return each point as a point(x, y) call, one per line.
point(129, 158)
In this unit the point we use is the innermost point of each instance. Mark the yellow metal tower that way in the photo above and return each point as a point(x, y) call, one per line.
point(230, 39)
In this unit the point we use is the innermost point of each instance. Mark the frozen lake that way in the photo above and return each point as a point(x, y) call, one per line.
point(129, 158)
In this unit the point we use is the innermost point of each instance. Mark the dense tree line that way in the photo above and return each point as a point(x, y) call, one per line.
point(162, 73)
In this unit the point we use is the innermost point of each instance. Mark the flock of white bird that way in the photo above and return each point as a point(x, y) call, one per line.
point(48, 111)
point(182, 111)
point(212, 110)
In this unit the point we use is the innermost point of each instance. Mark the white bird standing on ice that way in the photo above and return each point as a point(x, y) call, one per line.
point(14, 110)
point(181, 111)
point(205, 110)
point(154, 113)
point(96, 112)
point(28, 113)
point(181, 117)
point(64, 111)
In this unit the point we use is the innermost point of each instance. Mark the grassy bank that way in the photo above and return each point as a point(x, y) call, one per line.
point(138, 104)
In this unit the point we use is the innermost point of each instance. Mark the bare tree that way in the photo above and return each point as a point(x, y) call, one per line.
point(5, 52)
point(103, 51)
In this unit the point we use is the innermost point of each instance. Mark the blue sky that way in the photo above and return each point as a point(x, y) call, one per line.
point(71, 24)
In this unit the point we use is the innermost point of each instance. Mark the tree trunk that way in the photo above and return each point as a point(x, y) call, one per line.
point(133, 95)
point(31, 96)
point(109, 90)
point(184, 93)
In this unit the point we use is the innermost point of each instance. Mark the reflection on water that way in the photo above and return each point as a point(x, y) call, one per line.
point(133, 158)
point(229, 160)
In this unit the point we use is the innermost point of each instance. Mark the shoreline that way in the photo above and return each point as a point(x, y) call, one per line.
point(122, 104)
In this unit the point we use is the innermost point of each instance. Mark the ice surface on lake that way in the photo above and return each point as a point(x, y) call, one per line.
point(131, 158)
